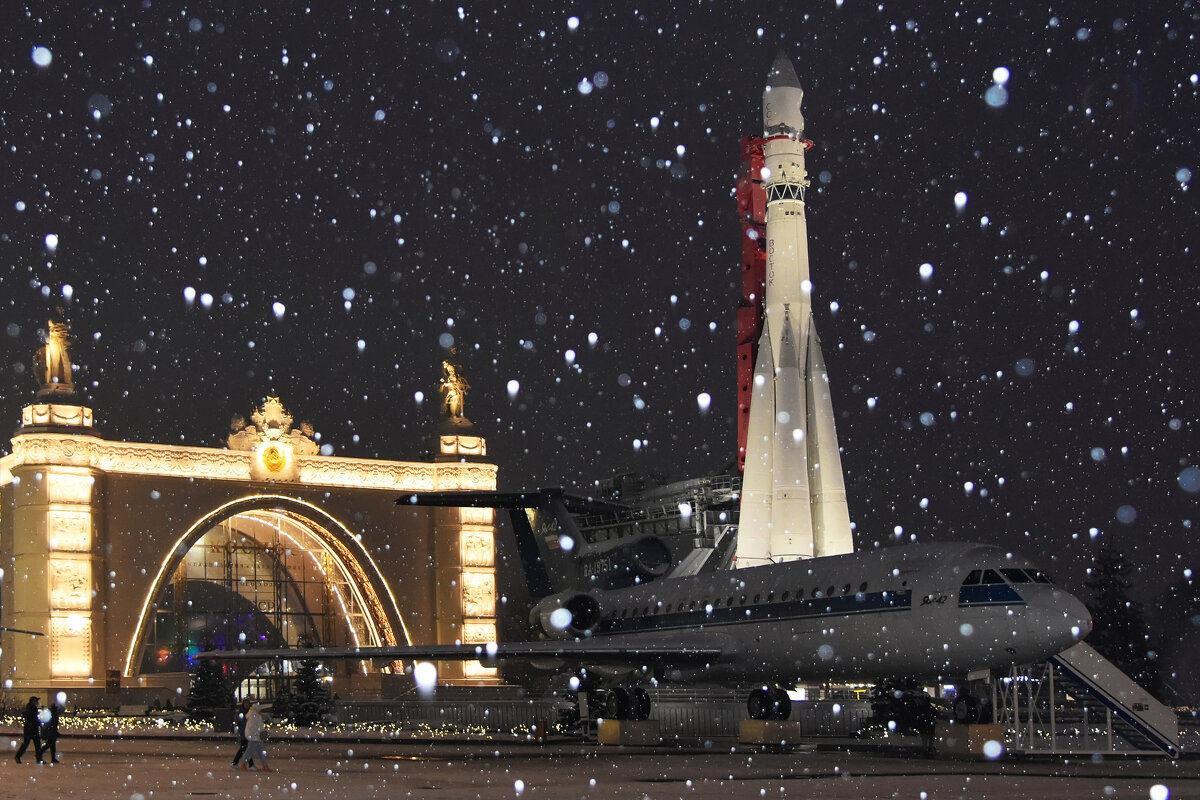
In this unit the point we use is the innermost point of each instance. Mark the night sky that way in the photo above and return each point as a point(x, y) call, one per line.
point(317, 201)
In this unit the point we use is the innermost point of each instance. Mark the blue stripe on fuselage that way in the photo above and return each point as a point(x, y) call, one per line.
point(989, 594)
point(813, 608)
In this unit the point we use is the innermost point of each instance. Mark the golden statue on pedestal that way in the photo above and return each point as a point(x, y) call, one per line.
point(52, 362)
point(453, 387)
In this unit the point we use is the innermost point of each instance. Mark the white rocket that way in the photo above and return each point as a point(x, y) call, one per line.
point(793, 490)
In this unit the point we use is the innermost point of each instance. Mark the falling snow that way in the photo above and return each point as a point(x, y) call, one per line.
point(230, 205)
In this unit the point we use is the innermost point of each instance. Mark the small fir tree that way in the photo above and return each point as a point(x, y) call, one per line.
point(1119, 630)
point(281, 705)
point(210, 691)
point(1177, 611)
point(309, 698)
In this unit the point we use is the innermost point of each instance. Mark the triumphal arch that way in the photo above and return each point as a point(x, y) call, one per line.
point(122, 559)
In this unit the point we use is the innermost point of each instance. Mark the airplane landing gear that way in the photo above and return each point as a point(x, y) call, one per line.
point(769, 703)
point(966, 709)
point(639, 703)
point(616, 703)
point(622, 703)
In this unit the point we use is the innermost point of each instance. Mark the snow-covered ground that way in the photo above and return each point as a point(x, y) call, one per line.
point(154, 767)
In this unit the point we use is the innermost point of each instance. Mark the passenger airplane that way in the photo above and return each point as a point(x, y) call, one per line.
point(930, 611)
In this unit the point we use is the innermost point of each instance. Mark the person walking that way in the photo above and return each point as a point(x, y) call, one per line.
point(50, 734)
point(240, 721)
point(32, 732)
point(254, 740)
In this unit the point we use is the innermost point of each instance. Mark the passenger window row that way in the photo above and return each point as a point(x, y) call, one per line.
point(683, 606)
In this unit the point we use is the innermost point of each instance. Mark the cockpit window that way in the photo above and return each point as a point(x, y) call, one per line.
point(1015, 575)
point(973, 578)
point(1039, 576)
point(991, 576)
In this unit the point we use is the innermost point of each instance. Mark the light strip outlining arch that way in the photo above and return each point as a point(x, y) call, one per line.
point(341, 546)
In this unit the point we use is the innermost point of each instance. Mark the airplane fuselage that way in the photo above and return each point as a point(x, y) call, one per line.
point(892, 611)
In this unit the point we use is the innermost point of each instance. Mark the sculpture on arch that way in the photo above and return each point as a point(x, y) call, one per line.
point(453, 387)
point(272, 423)
point(52, 362)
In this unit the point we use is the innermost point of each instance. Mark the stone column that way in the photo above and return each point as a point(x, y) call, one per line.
point(465, 562)
point(51, 554)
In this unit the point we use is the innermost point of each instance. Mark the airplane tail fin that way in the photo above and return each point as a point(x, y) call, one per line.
point(546, 534)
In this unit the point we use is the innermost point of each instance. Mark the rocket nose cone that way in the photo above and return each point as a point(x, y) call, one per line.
point(782, 97)
point(782, 73)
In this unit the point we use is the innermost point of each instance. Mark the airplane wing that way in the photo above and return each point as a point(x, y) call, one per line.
point(21, 630)
point(584, 650)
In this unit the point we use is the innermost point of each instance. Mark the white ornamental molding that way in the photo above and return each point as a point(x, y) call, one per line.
point(479, 477)
point(69, 488)
point(56, 414)
point(172, 461)
point(70, 583)
point(478, 631)
point(477, 548)
point(56, 449)
point(69, 530)
point(360, 473)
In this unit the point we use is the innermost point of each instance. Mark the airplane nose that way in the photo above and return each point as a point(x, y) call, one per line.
point(1059, 620)
point(1085, 618)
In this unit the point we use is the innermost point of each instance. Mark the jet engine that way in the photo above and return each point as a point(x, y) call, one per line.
point(651, 557)
point(644, 559)
point(567, 615)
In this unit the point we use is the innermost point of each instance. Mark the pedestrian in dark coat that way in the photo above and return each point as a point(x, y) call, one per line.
point(50, 734)
point(32, 730)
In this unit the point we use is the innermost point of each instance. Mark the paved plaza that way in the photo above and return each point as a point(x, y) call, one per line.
point(166, 769)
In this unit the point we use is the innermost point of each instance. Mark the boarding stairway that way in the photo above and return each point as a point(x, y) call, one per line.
point(1044, 708)
point(1121, 695)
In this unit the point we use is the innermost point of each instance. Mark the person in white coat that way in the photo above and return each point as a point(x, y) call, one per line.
point(254, 740)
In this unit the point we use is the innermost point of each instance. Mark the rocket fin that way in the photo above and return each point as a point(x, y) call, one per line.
point(754, 520)
point(830, 512)
point(791, 515)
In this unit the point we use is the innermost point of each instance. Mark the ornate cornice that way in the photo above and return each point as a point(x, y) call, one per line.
point(135, 458)
point(64, 414)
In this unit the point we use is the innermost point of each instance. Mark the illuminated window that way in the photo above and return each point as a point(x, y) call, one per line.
point(260, 578)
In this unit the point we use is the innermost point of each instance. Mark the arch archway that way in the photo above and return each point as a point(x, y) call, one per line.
point(272, 558)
